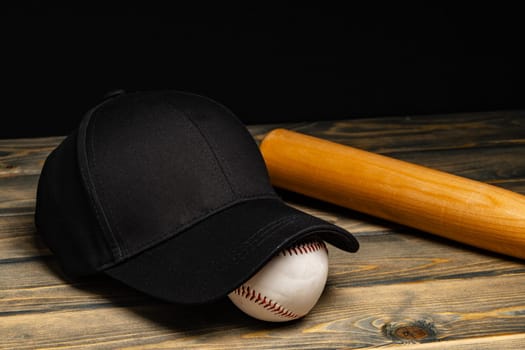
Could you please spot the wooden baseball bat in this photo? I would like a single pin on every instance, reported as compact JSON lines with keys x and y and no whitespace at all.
{"x":447,"y":205}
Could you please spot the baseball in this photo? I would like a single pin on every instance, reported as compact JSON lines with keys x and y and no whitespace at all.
{"x":288,"y":286}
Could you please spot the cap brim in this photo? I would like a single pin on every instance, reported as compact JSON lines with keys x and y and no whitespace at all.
{"x":215,"y":256}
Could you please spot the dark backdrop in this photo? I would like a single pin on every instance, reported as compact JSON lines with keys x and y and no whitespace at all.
{"x":268,"y":64}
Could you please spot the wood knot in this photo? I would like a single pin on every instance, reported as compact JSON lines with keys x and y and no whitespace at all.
{"x":410,"y":331}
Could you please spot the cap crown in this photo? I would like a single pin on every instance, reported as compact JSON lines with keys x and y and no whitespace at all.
{"x":142,"y":168}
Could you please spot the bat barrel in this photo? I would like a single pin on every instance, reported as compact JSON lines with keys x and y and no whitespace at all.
{"x":444,"y":204}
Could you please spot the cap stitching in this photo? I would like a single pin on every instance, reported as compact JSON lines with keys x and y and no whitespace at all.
{"x":226,"y":109}
{"x":242,"y":251}
{"x":119,"y":253}
{"x":117,"y":237}
{"x":239,"y":254}
{"x":90,"y":187}
{"x":223,"y":164}
{"x":198,"y":219}
{"x":230,"y":114}
{"x":180,"y":230}
{"x":262,"y":237}
{"x":212,"y":150}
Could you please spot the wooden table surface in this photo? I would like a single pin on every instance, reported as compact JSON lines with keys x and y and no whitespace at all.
{"x":404,"y":288}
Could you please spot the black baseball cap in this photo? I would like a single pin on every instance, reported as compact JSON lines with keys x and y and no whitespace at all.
{"x":167,"y":192}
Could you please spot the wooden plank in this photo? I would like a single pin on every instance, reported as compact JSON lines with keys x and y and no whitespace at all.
{"x":407,"y":258}
{"x":34,"y":272}
{"x":55,"y":292}
{"x":22,"y":248}
{"x":25,"y":156}
{"x":17,"y":225}
{"x":417,"y":133}
{"x":382,"y":260}
{"x":18,"y":194}
{"x":505,"y":342}
{"x":344,"y":317}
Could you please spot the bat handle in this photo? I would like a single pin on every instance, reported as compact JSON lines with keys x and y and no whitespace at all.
{"x":447,"y":205}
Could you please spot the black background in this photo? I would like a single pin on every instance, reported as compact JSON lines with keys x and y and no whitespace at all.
{"x":268,"y":64}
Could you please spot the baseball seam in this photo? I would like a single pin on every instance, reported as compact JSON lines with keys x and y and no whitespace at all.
{"x":304,"y":248}
{"x":267,"y":303}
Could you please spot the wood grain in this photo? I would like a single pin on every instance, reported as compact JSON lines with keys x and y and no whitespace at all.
{"x":25,"y":156}
{"x":416,"y":133}
{"x":17,"y":194}
{"x":488,"y":343}
{"x":344,"y":317}
{"x":16,"y":225}
{"x":404,"y":288}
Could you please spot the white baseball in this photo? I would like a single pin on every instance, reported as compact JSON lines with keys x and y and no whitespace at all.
{"x":288,"y":286}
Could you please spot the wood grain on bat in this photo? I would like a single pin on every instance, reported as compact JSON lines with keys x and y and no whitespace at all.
{"x":451,"y":206}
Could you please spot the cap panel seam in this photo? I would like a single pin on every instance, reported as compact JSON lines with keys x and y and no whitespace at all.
{"x":180,"y":230}
{"x":233,"y":117}
{"x":223,"y":163}
{"x":51,"y":189}
{"x":102,"y":216}
{"x":89,"y":185}
{"x":239,"y":254}
{"x":226,"y":109}
{"x":199,"y":218}
{"x":117,"y":237}
{"x":218,"y":162}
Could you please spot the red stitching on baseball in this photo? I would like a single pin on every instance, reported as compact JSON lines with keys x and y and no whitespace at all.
{"x":304,"y":248}
{"x":270,"y":305}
